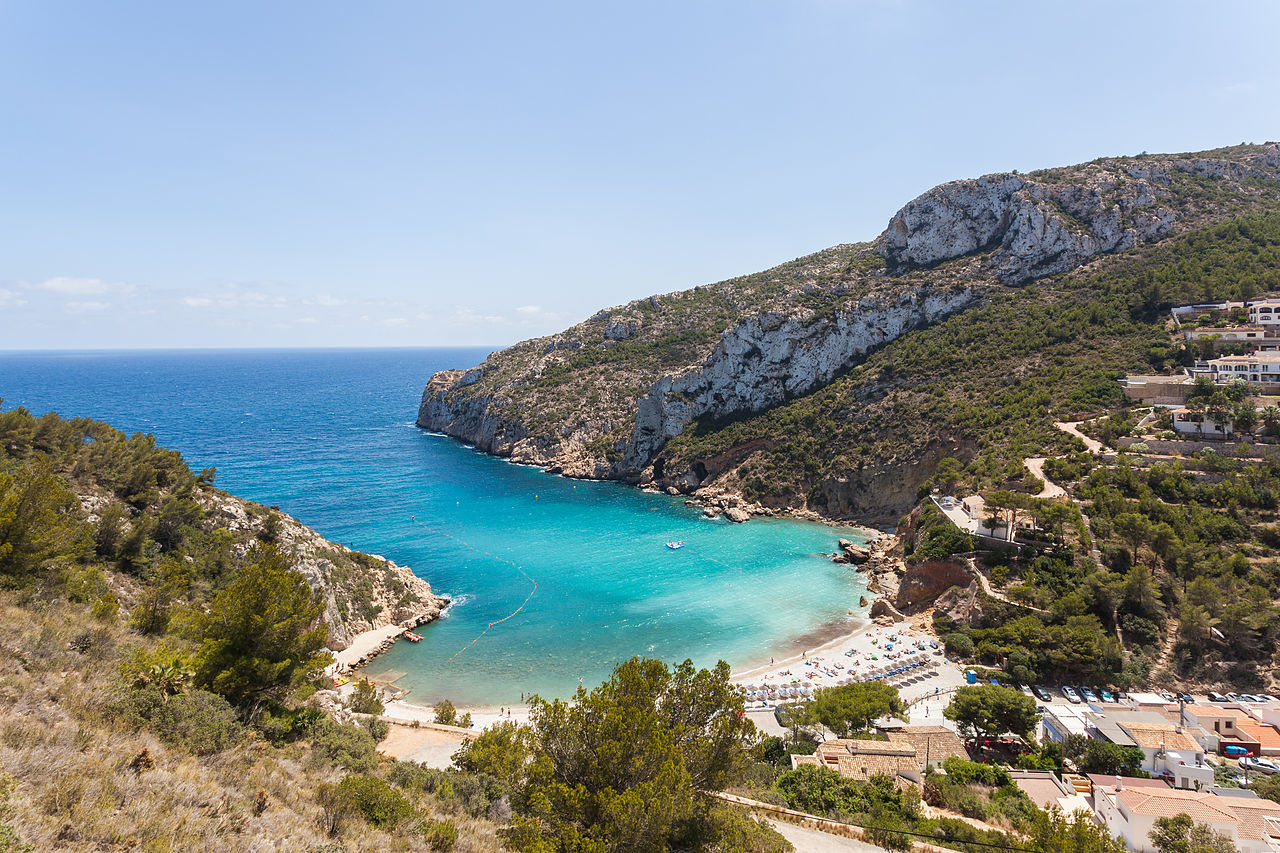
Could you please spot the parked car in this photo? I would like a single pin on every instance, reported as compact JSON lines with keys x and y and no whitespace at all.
{"x":1233,"y":697}
{"x":1025,"y":690}
{"x":1167,"y":696}
{"x":1106,"y":695}
{"x":1216,"y":697}
{"x":1188,"y":698}
{"x":1260,"y":765}
{"x":1089,"y":695}
{"x":1071,"y":695}
{"x":1042,"y":694}
{"x":1121,"y":696}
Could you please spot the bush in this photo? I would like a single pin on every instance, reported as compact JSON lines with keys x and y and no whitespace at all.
{"x":958,"y":644}
{"x":446,"y":714}
{"x":377,"y":729}
{"x":197,"y":720}
{"x":364,"y":700}
{"x":342,"y":745}
{"x":439,"y":834}
{"x":376,"y":801}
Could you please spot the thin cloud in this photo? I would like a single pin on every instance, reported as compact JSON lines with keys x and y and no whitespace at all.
{"x":69,"y":286}
{"x":85,"y":307}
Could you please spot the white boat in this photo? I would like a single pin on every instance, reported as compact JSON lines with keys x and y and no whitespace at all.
{"x":675,"y":546}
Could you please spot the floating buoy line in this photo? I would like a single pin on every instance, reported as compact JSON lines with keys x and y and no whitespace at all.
{"x":510,"y":563}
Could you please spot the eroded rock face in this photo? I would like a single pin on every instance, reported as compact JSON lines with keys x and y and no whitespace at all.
{"x":770,"y":357}
{"x":924,"y":582}
{"x":1033,"y":228}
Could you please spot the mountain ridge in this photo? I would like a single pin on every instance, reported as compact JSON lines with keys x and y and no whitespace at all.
{"x":605,"y":397}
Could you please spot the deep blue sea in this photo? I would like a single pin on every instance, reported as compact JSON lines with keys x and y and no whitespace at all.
{"x":328,"y":436}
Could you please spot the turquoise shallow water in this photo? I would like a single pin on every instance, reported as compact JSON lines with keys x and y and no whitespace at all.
{"x":328,"y":437}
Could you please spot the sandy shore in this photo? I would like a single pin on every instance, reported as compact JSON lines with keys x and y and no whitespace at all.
{"x":364,"y":644}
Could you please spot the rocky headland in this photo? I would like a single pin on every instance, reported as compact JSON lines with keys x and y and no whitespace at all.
{"x":661,"y":392}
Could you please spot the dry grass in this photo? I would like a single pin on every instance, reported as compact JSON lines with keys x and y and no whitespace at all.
{"x":76,"y":783}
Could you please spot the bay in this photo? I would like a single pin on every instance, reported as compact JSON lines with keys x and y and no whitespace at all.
{"x":555,"y":580}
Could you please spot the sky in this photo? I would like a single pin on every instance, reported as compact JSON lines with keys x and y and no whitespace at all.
{"x":275,"y":174}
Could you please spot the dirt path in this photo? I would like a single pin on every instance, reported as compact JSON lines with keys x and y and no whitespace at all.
{"x":1092,"y":444}
{"x":1051,"y":489}
{"x":985,"y":583}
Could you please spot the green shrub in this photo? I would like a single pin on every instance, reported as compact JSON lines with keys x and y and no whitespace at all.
{"x":378,"y":729}
{"x":376,"y":801}
{"x":441,"y":835}
{"x":343,"y":745}
{"x":197,"y":720}
{"x":446,"y":714}
{"x":364,"y":699}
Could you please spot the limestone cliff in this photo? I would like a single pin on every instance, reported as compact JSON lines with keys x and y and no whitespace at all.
{"x":608,"y":397}
{"x":361,"y":591}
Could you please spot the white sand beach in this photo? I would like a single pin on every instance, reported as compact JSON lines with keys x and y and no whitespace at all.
{"x":908,"y":658}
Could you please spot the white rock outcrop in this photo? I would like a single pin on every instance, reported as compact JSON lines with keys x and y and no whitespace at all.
{"x":1032,"y":228}
{"x":768,"y":358}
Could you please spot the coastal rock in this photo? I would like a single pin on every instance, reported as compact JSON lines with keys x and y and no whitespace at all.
{"x":857,"y":554}
{"x":361,"y":592}
{"x":925,"y":581}
{"x":607,"y":397}
{"x":882,"y":609}
{"x":736,"y":515}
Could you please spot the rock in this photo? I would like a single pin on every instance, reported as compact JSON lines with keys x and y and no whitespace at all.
{"x":736,"y":515}
{"x":925,"y":581}
{"x":862,"y":601}
{"x":710,"y":512}
{"x":1035,"y":228}
{"x":882,"y":608}
{"x":854,"y":552}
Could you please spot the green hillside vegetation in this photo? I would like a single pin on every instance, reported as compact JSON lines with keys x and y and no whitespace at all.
{"x":986,"y":384}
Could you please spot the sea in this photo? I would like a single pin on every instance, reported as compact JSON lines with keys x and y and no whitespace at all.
{"x":554,"y":581}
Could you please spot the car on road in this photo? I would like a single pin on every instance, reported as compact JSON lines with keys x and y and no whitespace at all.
{"x":1071,"y":695}
{"x":1042,"y":694}
{"x":1259,"y":765}
{"x":1089,"y":695}
{"x":1216,"y":697}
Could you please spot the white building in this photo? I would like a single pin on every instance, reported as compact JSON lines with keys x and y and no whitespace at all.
{"x":1187,"y":422}
{"x":1131,"y":813}
{"x":1264,"y":312}
{"x":1258,"y":367}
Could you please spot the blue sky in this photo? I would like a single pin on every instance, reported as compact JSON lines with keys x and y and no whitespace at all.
{"x":361,"y":174}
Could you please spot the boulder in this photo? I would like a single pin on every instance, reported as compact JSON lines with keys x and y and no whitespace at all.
{"x":856,"y":553}
{"x":882,"y":609}
{"x":737,"y":515}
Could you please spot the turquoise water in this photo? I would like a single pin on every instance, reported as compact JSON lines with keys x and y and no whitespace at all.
{"x":328,"y":436}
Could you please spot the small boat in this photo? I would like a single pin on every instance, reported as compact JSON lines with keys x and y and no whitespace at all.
{"x":675,"y":546}
{"x":412,"y":637}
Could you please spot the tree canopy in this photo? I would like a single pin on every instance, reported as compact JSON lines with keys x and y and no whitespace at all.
{"x":262,"y":634}
{"x":991,"y":711}
{"x":620,"y":768}
{"x":854,"y":708}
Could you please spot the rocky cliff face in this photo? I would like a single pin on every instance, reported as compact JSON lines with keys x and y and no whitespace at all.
{"x":603,"y":398}
{"x":361,"y":591}
{"x":772,"y":356}
{"x":1032,"y":228}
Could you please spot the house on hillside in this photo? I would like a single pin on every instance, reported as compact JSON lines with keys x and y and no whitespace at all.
{"x":1131,"y":813}
{"x":1187,"y":422}
{"x":1264,"y":312}
{"x":862,"y":759}
{"x":1257,"y":367}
